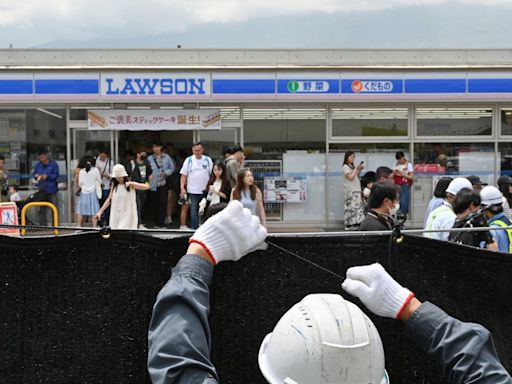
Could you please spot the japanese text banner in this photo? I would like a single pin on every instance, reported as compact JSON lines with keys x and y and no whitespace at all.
{"x":154,"y":120}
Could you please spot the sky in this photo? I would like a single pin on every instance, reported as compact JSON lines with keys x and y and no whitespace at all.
{"x":256,"y":24}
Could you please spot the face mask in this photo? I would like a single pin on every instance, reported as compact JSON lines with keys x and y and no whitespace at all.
{"x":395,"y":209}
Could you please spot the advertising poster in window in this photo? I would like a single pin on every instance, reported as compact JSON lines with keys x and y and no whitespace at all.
{"x":285,"y":189}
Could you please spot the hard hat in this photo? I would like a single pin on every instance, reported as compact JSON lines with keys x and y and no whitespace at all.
{"x":323,"y":339}
{"x":457,"y":184}
{"x":491,"y":196}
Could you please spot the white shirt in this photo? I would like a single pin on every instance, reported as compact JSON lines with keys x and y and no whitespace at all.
{"x":105,"y":167}
{"x":215,"y":197}
{"x":88,"y":180}
{"x":198,"y":173}
{"x":442,"y":217}
{"x":15,"y":197}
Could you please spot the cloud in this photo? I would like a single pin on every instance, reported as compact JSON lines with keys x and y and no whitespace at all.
{"x":31,"y":22}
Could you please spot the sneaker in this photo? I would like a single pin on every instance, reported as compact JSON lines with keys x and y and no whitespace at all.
{"x":142,"y":226}
{"x":185,"y":228}
{"x":168,"y":220}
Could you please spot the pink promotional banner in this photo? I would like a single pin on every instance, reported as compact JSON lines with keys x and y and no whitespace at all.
{"x":154,"y":120}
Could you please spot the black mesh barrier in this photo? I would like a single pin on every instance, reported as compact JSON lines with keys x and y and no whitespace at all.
{"x":75,"y":309}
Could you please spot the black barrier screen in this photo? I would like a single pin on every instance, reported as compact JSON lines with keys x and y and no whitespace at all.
{"x":75,"y":309}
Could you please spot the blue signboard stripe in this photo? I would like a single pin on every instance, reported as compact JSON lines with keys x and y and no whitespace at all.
{"x":490,"y":86}
{"x":435,"y":86}
{"x":67,"y":87}
{"x":309,"y":86}
{"x":242,"y":86}
{"x":15,"y":87}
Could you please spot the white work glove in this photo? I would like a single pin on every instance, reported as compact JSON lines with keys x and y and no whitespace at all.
{"x":377,"y":290}
{"x":231,"y":233}
{"x":202,"y":206}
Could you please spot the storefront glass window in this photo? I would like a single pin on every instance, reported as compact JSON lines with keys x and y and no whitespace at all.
{"x":373,"y":155}
{"x":435,"y":160}
{"x":505,"y":154}
{"x":506,"y":121}
{"x":288,"y":144}
{"x":454,"y":121}
{"x":369,"y":121}
{"x":25,"y":132}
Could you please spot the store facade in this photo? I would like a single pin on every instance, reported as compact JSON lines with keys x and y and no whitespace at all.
{"x":294,"y":112}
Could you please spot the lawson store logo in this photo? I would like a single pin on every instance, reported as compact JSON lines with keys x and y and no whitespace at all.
{"x":155,"y":85}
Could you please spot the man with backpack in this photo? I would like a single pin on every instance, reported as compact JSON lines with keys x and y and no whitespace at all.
{"x":195,"y":173}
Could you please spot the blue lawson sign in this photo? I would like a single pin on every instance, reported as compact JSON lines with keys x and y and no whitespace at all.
{"x":203,"y":85}
{"x":371,"y":86}
{"x":310,"y":86}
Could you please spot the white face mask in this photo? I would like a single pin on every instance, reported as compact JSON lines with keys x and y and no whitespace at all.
{"x":394,"y":210}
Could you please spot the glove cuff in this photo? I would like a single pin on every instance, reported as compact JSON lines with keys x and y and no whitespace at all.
{"x":219,"y":248}
{"x":210,"y":255}
{"x":404,"y":305}
{"x":396,"y":300}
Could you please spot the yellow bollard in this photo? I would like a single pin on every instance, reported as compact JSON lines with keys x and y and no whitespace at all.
{"x":40,"y":204}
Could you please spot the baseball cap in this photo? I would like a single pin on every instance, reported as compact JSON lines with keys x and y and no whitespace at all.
{"x":457,"y":184}
{"x":504,"y":180}
{"x":491,"y":196}
{"x":475,"y":180}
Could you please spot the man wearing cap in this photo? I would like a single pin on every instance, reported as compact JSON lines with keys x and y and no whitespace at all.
{"x":492,"y":200}
{"x":46,"y":174}
{"x":476,"y":182}
{"x":443,"y":217}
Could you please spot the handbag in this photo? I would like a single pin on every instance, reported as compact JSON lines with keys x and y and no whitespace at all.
{"x":99,"y":190}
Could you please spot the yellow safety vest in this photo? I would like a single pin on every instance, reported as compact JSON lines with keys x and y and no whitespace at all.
{"x":501,"y":223}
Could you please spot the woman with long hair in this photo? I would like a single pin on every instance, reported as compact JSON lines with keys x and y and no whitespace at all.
{"x":249,"y":194}
{"x":354,"y":212}
{"x":88,"y":180}
{"x":123,"y":212}
{"x":217,"y":190}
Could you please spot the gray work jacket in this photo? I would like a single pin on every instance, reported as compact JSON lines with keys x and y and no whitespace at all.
{"x":465,"y":350}
{"x":179,"y":335}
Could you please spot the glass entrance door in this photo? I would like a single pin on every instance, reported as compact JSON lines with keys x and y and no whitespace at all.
{"x":216,"y":141}
{"x":86,"y":143}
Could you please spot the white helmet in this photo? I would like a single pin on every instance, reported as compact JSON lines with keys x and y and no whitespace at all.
{"x":491,"y":196}
{"x":323,"y":339}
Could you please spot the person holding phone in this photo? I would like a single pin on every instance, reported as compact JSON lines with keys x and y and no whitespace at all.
{"x":354,"y":212}
{"x":404,"y":177}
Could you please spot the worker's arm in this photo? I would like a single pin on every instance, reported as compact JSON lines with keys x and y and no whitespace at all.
{"x":179,"y":334}
{"x":465,"y":351}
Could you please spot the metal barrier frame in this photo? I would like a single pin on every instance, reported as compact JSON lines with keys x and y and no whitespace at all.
{"x":40,"y":204}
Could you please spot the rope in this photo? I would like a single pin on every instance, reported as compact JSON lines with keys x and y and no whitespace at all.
{"x":283,"y":235}
{"x":338,"y":276}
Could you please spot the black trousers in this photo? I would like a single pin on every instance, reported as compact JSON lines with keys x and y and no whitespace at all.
{"x":159,"y":201}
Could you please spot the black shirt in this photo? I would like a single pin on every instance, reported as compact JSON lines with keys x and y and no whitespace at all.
{"x":374,"y":221}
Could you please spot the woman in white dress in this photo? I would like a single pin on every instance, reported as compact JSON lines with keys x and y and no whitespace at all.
{"x":122,"y":198}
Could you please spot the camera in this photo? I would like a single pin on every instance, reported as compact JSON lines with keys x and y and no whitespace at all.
{"x":183,"y":200}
